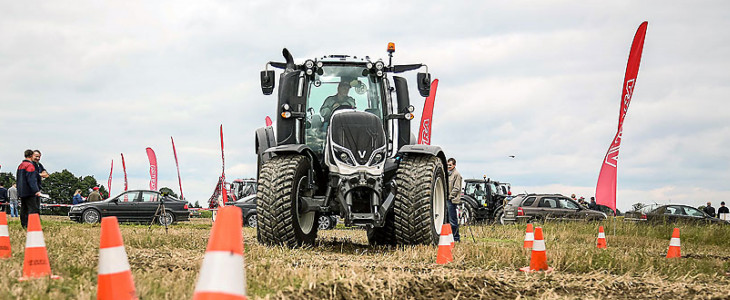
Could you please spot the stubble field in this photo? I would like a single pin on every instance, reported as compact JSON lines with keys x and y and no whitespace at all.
{"x":343,"y":266}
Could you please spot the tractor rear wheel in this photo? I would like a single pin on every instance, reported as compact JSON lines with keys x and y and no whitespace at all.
{"x":419,"y":209}
{"x":281,"y":220}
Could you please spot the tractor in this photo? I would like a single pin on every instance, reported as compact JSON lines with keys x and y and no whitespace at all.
{"x":483,"y":200}
{"x":342,"y":145}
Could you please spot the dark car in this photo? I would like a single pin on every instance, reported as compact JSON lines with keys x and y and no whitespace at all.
{"x":671,"y":213}
{"x":545,"y":207}
{"x":132,"y":206}
{"x":248,"y":207}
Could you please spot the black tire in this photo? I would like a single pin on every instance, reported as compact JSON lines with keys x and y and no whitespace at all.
{"x":91,"y":216}
{"x":334,"y":221}
{"x":251,"y":221}
{"x":499,"y":217}
{"x":383,"y":235}
{"x":166,"y":218}
{"x":281,"y":181}
{"x":419,"y":208}
{"x":467,"y":214}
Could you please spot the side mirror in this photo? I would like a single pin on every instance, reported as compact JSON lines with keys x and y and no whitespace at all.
{"x":267,"y":82}
{"x":115,"y":200}
{"x":424,"y":84}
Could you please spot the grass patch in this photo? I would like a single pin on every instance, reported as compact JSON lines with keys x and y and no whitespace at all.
{"x":343,"y":266}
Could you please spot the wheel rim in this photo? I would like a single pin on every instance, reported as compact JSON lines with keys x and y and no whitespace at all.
{"x":305,"y":219}
{"x":252,"y":221}
{"x":166,"y":219}
{"x":91,"y":216}
{"x":463,"y":214}
{"x":324,"y":222}
{"x":437,"y":204}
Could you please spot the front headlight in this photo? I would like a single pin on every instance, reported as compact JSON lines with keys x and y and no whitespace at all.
{"x":377,"y":157}
{"x":343,"y":155}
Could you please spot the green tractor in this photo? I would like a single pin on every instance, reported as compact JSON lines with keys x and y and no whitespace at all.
{"x":342,"y":145}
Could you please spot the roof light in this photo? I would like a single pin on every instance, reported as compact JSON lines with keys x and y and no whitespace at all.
{"x":379,"y":65}
{"x":319,"y":64}
{"x":391,"y":47}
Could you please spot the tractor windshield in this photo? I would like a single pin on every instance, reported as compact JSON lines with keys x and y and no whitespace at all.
{"x":339,"y":87}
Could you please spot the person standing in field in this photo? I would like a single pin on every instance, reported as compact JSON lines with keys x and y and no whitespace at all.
{"x":710,"y":210}
{"x":723,"y":209}
{"x":13,"y":196}
{"x":3,"y":198}
{"x":94,"y":196}
{"x":77,"y":199}
{"x":454,"y":197}
{"x":29,"y":188}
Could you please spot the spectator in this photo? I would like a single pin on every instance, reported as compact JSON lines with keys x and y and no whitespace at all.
{"x":710,"y":210}
{"x":13,"y":196}
{"x":593,"y":204}
{"x":94,"y":196}
{"x":454,"y":197}
{"x":29,"y":189}
{"x":77,"y":199}
{"x":3,"y":198}
{"x":723,"y":209}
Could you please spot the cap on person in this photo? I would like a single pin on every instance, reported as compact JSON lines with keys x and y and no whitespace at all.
{"x":722,"y":203}
{"x":96,"y":188}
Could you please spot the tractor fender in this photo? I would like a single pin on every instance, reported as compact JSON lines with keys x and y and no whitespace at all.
{"x":425,"y":149}
{"x":265,"y":139}
{"x":468,"y":199}
{"x":307,"y":152}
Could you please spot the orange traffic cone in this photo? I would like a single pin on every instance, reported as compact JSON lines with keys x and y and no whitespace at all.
{"x":674,"y":245}
{"x":4,"y":237}
{"x":538,"y":261}
{"x":601,"y":242}
{"x":115,"y":277}
{"x":529,"y":237}
{"x":449,"y":233}
{"x":36,"y":264}
{"x":222,"y":275}
{"x":443,"y":255}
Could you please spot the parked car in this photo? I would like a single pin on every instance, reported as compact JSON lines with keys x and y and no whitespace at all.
{"x":132,"y":206}
{"x":247,"y":205}
{"x":671,"y":213}
{"x":327,"y":222}
{"x":545,"y":207}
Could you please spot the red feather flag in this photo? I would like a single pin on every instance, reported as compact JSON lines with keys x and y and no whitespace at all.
{"x":223,"y":173}
{"x":268,"y":121}
{"x":424,"y":132}
{"x":153,"y":168}
{"x":179,"y":180}
{"x":109,"y":183}
{"x":124,"y":168}
{"x":606,"y":186}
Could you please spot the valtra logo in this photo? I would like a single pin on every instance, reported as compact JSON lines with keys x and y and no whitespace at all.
{"x":425,"y":135}
{"x":153,"y":178}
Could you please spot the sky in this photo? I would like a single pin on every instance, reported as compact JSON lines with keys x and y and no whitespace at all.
{"x":85,"y":81}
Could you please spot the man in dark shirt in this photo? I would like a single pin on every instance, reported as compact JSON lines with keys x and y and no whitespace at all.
{"x":710,"y":210}
{"x":29,"y":188}
{"x":3,"y":198}
{"x":722,"y":210}
{"x":333,"y":102}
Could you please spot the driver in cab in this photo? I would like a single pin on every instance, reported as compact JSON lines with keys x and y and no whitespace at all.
{"x":332,"y":103}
